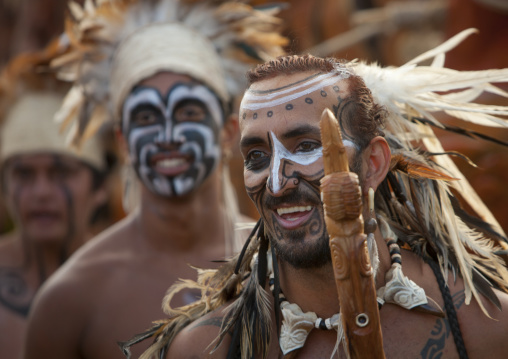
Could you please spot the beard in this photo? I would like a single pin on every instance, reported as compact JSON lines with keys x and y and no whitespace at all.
{"x":304,"y":247}
{"x":301,"y":255}
{"x":292,"y":247}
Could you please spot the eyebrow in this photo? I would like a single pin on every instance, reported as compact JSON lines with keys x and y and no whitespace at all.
{"x":302,"y":130}
{"x":298,"y":131}
{"x":251,"y":141}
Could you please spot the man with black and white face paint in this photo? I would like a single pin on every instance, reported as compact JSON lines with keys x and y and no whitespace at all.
{"x":171,"y":99}
{"x":173,"y":137}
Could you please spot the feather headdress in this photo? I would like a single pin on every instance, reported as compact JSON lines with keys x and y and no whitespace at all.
{"x":412,"y":95}
{"x":30,"y":94}
{"x":238,"y":33}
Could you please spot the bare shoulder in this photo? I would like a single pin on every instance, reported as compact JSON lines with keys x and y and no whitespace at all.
{"x":485,"y":335}
{"x":10,"y":249}
{"x":67,"y":300}
{"x":483,"y":325}
{"x":199,"y":339}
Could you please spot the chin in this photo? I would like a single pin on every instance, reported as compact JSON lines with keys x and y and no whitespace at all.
{"x":48,"y":237}
{"x":304,"y":253}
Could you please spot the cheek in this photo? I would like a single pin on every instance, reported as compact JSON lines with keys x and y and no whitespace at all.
{"x":79,"y":198}
{"x":16,"y":198}
{"x":254,"y":181}
{"x":140,"y":137}
{"x":310,"y":172}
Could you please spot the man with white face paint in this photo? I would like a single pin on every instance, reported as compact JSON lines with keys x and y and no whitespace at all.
{"x":428,"y":306}
{"x":188,"y":120}
{"x":171,"y":97}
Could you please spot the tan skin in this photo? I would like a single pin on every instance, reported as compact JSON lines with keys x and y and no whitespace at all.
{"x":406,"y":334}
{"x":113,"y":288}
{"x":51,"y":200}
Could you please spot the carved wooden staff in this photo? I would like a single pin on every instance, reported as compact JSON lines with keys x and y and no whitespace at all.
{"x":341,"y":195}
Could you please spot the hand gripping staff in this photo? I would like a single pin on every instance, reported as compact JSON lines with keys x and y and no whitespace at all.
{"x":342,"y":201}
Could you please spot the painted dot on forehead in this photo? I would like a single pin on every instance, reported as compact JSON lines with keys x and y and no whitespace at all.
{"x":309,"y":101}
{"x":255,"y":115}
{"x":336,"y":88}
{"x":323,"y":93}
{"x":289,"y":107}
{"x":269,"y":113}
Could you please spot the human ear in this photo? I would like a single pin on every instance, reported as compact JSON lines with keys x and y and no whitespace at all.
{"x":378,"y":163}
{"x":229,"y":134}
{"x":101,"y":194}
{"x":122,"y":143}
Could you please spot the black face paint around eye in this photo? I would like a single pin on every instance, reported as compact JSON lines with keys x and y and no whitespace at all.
{"x":178,"y":148}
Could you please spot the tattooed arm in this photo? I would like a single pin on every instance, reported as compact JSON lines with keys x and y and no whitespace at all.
{"x":483,"y":337}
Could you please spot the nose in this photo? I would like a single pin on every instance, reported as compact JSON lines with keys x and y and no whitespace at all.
{"x":42,"y":186}
{"x":282,"y":178}
{"x":168,"y":139}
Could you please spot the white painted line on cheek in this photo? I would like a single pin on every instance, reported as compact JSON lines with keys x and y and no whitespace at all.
{"x":146,"y":96}
{"x":281,"y":153}
{"x":137,"y":133}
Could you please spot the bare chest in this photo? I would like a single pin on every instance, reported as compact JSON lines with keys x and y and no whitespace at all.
{"x":127,"y":306}
{"x":405,"y":335}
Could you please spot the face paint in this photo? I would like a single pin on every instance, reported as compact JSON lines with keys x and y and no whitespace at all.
{"x":280,"y":153}
{"x":255,"y":100}
{"x":281,"y":144}
{"x":173,"y":141}
{"x":51,"y":200}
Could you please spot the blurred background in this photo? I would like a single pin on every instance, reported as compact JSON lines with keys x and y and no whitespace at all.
{"x":389,"y":32}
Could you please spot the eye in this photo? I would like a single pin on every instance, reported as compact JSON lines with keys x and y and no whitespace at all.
{"x":192,"y":111}
{"x":145,"y":116}
{"x":62,"y":171}
{"x":256,"y":160}
{"x":255,"y":155}
{"x":307,"y":146}
{"x":22,"y":173}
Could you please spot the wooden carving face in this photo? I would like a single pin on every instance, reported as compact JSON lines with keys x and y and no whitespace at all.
{"x":281,"y":145}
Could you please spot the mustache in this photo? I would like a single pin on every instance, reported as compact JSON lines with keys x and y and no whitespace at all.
{"x":295,"y":197}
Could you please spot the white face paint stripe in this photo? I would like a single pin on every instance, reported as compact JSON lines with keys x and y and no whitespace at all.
{"x":281,"y":153}
{"x":211,"y":149}
{"x":149,"y":95}
{"x":271,"y":95}
{"x":253,"y":101}
{"x":201,"y":93}
{"x":306,"y":158}
{"x":144,"y":169}
{"x":136,"y":133}
{"x":260,"y":103}
{"x":184,"y":184}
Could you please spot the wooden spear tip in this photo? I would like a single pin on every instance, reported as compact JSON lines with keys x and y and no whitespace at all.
{"x":330,"y":129}
{"x":334,"y":152}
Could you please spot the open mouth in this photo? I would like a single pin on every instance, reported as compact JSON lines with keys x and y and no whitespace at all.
{"x":294,"y":216}
{"x":170,"y":164}
{"x":43,"y":217}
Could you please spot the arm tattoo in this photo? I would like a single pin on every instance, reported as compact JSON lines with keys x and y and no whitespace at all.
{"x":14,"y":293}
{"x":434,"y":347}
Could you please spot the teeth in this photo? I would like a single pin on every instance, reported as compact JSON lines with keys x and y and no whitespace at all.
{"x":281,"y":211}
{"x":170,"y":162}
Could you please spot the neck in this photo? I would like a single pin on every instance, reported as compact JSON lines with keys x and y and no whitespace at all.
{"x":46,"y":257}
{"x":315,"y":289}
{"x":183,"y":223}
{"x":312,"y":289}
